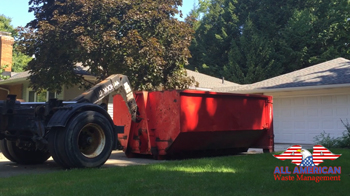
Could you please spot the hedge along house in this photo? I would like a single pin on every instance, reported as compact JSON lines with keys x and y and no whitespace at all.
{"x":307,"y":102}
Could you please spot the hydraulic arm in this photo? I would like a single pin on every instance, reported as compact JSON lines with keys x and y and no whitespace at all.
{"x":113,"y":84}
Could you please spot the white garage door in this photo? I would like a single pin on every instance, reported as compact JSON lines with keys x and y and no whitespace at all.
{"x":299,"y":119}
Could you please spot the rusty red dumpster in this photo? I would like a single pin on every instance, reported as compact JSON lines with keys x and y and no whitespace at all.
{"x":184,"y":121}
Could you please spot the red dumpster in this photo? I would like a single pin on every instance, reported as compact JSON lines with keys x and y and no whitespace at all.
{"x":182,"y":121}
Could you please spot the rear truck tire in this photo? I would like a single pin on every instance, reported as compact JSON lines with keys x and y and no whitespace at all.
{"x":26,"y":157}
{"x":5,"y":151}
{"x":87,"y":140}
{"x":55,"y":144}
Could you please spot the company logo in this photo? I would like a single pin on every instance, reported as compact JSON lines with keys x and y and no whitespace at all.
{"x":304,"y":158}
{"x":307,"y":163}
{"x":106,"y":90}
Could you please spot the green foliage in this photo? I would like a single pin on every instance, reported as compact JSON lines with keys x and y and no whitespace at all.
{"x":248,"y":41}
{"x":2,"y":69}
{"x":335,"y":142}
{"x":5,"y":25}
{"x":197,"y":12}
{"x":140,"y":39}
{"x":19,"y":60}
{"x":326,"y":140}
{"x":213,"y":38}
{"x":41,"y":96}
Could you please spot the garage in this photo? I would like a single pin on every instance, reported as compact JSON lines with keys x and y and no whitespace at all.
{"x":308,"y":101}
{"x":299,"y":119}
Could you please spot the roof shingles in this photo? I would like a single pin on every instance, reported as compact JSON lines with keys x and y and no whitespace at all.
{"x":210,"y":82}
{"x":336,"y":71}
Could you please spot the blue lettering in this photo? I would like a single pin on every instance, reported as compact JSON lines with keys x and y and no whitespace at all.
{"x":315,"y":170}
{"x":303,"y":170}
{"x":287,"y":170}
{"x":309,"y":170}
{"x":296,"y":170}
{"x":324,"y":170}
{"x":330,"y":170}
{"x":282,"y":172}
{"x":277,"y":170}
{"x":337,"y":170}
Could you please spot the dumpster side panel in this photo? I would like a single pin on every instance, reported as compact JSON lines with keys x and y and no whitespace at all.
{"x":266,"y":141}
{"x":179,"y":121}
{"x":218,"y":121}
{"x":135,"y":138}
{"x":204,"y":111}
{"x":164,"y":119}
{"x":121,"y":117}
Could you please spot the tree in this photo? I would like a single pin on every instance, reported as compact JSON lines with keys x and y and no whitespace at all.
{"x":197,"y":12}
{"x":5,"y":25}
{"x":140,"y":39}
{"x":252,"y":40}
{"x":19,"y":59}
{"x":250,"y":57}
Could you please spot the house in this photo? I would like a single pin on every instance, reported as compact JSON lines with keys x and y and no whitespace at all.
{"x":19,"y":85}
{"x":306,"y":102}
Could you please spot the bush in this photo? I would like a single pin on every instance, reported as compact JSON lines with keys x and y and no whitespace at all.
{"x":327,"y":141}
{"x":345,"y":139}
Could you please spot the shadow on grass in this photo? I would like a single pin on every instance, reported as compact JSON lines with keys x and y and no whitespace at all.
{"x":230,"y":175}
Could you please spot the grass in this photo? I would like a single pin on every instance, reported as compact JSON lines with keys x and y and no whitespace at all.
{"x":232,"y":175}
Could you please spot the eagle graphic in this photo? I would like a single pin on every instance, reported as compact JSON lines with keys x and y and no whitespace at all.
{"x":304,"y":158}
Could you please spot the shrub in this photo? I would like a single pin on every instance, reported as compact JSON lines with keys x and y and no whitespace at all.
{"x":327,"y":141}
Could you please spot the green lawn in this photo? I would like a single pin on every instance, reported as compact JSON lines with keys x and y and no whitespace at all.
{"x":232,"y":175}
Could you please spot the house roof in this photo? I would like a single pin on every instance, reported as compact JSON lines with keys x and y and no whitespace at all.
{"x":22,"y":76}
{"x":205,"y":82}
{"x":210,"y":82}
{"x":15,"y":78}
{"x":16,"y":75}
{"x":329,"y":73}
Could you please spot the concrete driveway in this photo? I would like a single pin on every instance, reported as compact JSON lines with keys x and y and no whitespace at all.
{"x":117,"y":158}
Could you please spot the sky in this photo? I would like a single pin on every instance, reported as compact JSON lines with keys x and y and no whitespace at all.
{"x":17,"y":10}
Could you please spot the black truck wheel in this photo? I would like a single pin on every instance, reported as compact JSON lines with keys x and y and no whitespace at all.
{"x":88,"y":140}
{"x":26,"y":157}
{"x":56,"y":143}
{"x":5,"y":150}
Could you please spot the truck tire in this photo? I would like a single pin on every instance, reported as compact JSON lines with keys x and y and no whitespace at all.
{"x":55,"y":145}
{"x":26,"y":157}
{"x":88,"y":140}
{"x":5,"y":150}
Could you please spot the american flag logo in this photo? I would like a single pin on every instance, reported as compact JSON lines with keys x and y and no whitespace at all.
{"x":307,"y":162}
{"x":304,"y":158}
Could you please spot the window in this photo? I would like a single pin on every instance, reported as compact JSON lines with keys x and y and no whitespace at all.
{"x":41,"y":97}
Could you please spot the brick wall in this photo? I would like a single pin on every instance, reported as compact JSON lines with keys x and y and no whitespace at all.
{"x":6,"y":45}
